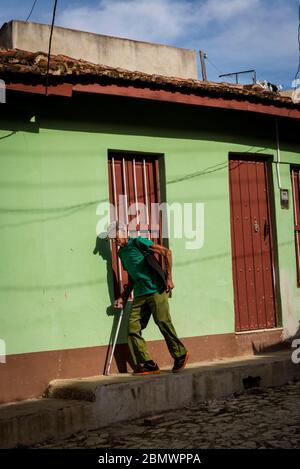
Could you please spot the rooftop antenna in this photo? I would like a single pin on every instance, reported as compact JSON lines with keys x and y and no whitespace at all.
{"x":203,"y":65}
{"x":236,"y":74}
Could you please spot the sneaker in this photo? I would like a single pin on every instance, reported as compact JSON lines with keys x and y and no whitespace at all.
{"x":180,"y":363}
{"x":147,"y":368}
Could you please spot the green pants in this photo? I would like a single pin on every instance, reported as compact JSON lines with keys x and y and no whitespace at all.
{"x":142,"y":307}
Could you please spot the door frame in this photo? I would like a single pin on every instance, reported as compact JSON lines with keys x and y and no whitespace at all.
{"x":268,"y":160}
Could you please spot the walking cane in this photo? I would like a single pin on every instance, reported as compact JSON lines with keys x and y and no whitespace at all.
{"x":114,"y":342}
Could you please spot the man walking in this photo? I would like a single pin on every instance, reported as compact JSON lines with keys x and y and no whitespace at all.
{"x":151,"y":293}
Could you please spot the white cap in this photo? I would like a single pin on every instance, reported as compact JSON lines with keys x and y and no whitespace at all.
{"x":114,"y":227}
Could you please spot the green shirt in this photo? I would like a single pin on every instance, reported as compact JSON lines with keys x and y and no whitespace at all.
{"x":145,"y":280}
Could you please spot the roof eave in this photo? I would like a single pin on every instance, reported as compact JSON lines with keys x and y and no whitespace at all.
{"x":221,"y":102}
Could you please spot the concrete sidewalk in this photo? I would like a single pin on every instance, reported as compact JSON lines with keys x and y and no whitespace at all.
{"x":75,"y":405}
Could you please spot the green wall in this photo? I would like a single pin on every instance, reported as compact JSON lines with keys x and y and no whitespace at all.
{"x":53,"y":291}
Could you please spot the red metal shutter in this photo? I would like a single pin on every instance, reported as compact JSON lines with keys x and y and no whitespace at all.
{"x":136,"y":178}
{"x":295,"y":174}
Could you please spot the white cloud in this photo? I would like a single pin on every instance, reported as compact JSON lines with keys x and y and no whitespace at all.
{"x":156,"y":20}
{"x":264,"y":40}
{"x":224,"y":10}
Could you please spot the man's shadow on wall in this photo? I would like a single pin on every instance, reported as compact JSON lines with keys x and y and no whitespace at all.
{"x":122,"y":354}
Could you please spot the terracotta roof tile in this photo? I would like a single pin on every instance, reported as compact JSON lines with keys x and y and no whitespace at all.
{"x":15,"y":61}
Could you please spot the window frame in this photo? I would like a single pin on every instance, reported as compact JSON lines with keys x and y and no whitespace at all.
{"x":121,"y":178}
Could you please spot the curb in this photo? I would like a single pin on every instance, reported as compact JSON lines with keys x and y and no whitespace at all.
{"x":75,"y":405}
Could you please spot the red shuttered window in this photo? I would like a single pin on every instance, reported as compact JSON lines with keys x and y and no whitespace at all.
{"x":133,"y":191}
{"x":295,"y":174}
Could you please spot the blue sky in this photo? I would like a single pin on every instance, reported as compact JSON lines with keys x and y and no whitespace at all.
{"x":236,"y":34}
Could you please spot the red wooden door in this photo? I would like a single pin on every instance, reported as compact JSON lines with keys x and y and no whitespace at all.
{"x":252,"y":260}
{"x":295,"y":173}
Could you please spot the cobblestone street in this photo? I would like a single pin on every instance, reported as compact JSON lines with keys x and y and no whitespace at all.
{"x":259,"y":418}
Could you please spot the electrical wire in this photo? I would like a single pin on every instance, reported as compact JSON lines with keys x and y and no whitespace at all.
{"x":30,"y":13}
{"x":216,"y":68}
{"x":297,"y":73}
{"x":49,"y":50}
